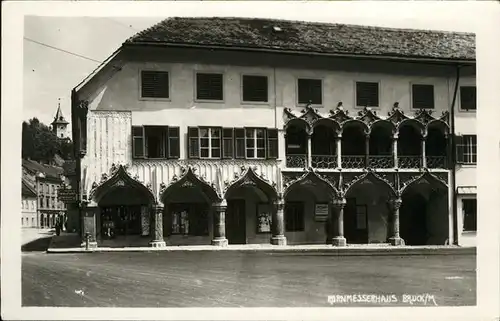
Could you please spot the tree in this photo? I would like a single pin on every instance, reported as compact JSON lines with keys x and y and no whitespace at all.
{"x":40,"y":143}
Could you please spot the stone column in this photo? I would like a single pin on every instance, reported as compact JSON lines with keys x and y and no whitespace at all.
{"x":367,"y":150}
{"x":157,"y":214}
{"x":309,"y":151}
{"x":424,"y":158}
{"x":89,"y":226}
{"x":337,"y":221}
{"x":278,"y":223}
{"x":338,"y":139}
{"x":394,"y":205}
{"x":219,"y":218}
{"x":395,"y":149}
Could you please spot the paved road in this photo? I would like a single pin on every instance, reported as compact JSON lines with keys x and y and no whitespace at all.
{"x":234,"y":279}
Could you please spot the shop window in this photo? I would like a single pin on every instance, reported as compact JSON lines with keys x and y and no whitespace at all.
{"x":264,"y":218}
{"x":469,"y":209}
{"x":189,"y":219}
{"x":423,"y":96}
{"x":294,"y":216}
{"x":255,"y":88}
{"x":367,"y":94}
{"x":154,"y":84}
{"x":466,"y":149}
{"x":155,"y":142}
{"x":310,"y":91}
{"x":209,"y":86}
{"x":468,"y":98}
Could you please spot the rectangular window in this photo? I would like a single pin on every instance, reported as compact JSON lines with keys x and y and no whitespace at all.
{"x":367,"y":94}
{"x":255,"y":143}
{"x":227,"y":143}
{"x":423,"y":96}
{"x":310,"y":91}
{"x":154,"y":84}
{"x":466,"y":149}
{"x":255,"y":88}
{"x":155,"y":142}
{"x":209,"y":86}
{"x":189,"y":219}
{"x":469,"y":209}
{"x":468,"y":98}
{"x":272,"y":143}
{"x":210,"y":142}
{"x":294,"y":216}
{"x":239,"y":142}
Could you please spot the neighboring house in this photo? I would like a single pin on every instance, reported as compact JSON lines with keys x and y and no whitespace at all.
{"x":236,"y":130}
{"x":46,"y":180}
{"x":28,"y":204}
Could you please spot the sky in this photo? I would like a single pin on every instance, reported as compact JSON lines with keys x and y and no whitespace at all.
{"x":50,"y":74}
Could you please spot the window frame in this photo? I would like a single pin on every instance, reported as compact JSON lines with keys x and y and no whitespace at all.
{"x":412,"y":95}
{"x":255,"y":148}
{"x":461,"y":109}
{"x":166,"y":144}
{"x":299,"y":104}
{"x":209,"y":128}
{"x":463,"y":145}
{"x":464,"y":215}
{"x":245,"y":102}
{"x":303,"y":224}
{"x":167,"y":70}
{"x":195,"y":86}
{"x":379,"y":93}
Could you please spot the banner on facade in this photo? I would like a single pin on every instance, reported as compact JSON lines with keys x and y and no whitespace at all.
{"x":321,"y":212}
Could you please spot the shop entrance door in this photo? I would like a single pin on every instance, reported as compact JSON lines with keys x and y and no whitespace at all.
{"x":236,"y":222}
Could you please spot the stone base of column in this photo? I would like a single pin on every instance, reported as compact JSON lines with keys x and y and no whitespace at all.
{"x":157,"y":244}
{"x":396,"y":241}
{"x":278,"y":240}
{"x":220,"y":242}
{"x":339,"y":241}
{"x":92,"y":245}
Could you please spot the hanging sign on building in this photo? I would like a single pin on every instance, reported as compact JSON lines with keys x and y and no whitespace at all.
{"x":67,"y":195}
{"x":321,"y":212}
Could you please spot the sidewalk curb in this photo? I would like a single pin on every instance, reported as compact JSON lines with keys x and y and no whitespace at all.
{"x":392,"y":251}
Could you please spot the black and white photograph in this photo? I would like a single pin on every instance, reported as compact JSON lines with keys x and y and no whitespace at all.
{"x":211,"y":154}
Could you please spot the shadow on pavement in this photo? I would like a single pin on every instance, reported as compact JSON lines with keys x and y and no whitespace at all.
{"x":41,"y":244}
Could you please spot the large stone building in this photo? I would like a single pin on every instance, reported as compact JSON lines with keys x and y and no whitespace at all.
{"x":29,"y":216}
{"x":228,"y":130}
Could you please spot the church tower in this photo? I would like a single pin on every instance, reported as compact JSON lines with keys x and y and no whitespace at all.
{"x":60,"y":125}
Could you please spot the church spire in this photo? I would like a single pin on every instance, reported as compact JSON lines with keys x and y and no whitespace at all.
{"x":59,"y":118}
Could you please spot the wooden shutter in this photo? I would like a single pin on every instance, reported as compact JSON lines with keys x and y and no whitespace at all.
{"x":272,"y":143}
{"x":227,"y":143}
{"x":154,"y":84}
{"x":423,"y":96}
{"x":193,"y":143}
{"x":138,"y":142}
{"x":468,"y":98}
{"x":239,"y":142}
{"x":309,"y":90}
{"x":209,"y":86}
{"x":367,"y":94}
{"x":459,"y":148}
{"x":173,"y":142}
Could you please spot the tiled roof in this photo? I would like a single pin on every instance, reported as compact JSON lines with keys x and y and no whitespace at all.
{"x":309,"y":37}
{"x":27,"y":188}
{"x":35,"y":167}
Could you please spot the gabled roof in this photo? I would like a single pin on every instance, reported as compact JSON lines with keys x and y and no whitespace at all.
{"x":309,"y":38}
{"x":27,"y":188}
{"x":35,"y":167}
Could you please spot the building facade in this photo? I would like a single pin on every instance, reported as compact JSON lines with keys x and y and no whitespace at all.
{"x":28,"y":205}
{"x":46,"y":180}
{"x":285,"y":140}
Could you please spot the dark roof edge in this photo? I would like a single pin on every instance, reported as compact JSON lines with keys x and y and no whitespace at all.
{"x":305,"y":53}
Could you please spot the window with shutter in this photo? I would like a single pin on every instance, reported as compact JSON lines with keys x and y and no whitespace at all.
{"x":310,"y":91}
{"x":239,"y":142}
{"x":227,"y":143}
{"x":255,"y":143}
{"x":209,"y":86}
{"x":156,"y":138}
{"x":154,"y":84}
{"x":255,"y":88}
{"x":468,"y":98}
{"x":272,"y":143}
{"x":367,"y":94}
{"x":423,"y":96}
{"x":173,"y":142}
{"x":469,"y":209}
{"x":459,"y":149}
{"x":138,"y":141}
{"x":193,"y":143}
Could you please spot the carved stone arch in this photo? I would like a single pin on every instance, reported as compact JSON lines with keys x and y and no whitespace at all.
{"x":189,"y":179}
{"x":427,"y":178}
{"x":249,"y":177}
{"x":298,"y":122}
{"x":310,"y":115}
{"x":339,"y":114}
{"x":119,"y":177}
{"x":421,"y":128}
{"x":439,"y":124}
{"x":311,"y":179}
{"x":424,"y":116}
{"x":368,"y":116}
{"x":327,"y":122}
{"x":356,"y":122}
{"x":384,"y":123}
{"x":372,"y":177}
{"x":396,"y":115}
